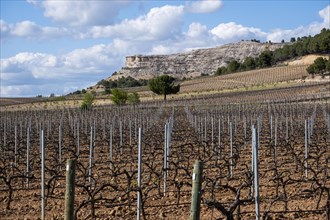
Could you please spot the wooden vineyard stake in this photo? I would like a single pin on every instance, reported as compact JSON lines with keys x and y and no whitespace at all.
{"x":70,"y":189}
{"x":139,"y":193}
{"x":197,"y":178}
{"x":255,"y":170}
{"x":43,"y":199}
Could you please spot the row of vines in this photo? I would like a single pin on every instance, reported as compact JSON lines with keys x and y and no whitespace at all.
{"x":293,"y":141}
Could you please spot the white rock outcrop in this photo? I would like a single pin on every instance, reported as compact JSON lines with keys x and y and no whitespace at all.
{"x":192,"y":63}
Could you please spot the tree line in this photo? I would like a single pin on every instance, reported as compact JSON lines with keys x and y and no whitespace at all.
{"x":319,"y":44}
{"x":320,"y":66}
{"x":122,"y":82}
{"x":161,"y":85}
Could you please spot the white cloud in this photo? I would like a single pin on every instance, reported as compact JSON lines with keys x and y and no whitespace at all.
{"x":94,"y":59}
{"x":325,"y":14}
{"x":25,"y":28}
{"x":158,"y":23}
{"x":29,"y":29}
{"x":37,"y":65}
{"x":81,"y":13}
{"x":197,"y":36}
{"x":157,"y":32}
{"x":277,"y":35}
{"x":232,"y":32}
{"x":197,"y":30}
{"x":68,"y":71}
{"x":4,"y":26}
{"x":203,"y":6}
{"x":16,"y":91}
{"x":163,"y":49}
{"x":4,"y":30}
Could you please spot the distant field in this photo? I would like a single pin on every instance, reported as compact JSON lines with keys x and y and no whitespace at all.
{"x":245,"y":79}
{"x":259,"y":82}
{"x":19,"y":101}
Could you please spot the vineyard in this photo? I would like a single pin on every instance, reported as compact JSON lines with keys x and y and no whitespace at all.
{"x":293,"y":139}
{"x":15,"y":101}
{"x":245,"y":79}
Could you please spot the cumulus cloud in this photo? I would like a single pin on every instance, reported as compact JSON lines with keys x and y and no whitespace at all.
{"x":78,"y":68}
{"x":197,"y":30}
{"x":159,"y":23}
{"x":4,"y":30}
{"x":81,"y":13}
{"x":159,"y":31}
{"x":35,"y":65}
{"x":325,"y":14}
{"x":95,"y":59}
{"x":203,"y":6}
{"x":25,"y":28}
{"x":17,"y":91}
{"x":29,"y":29}
{"x":277,"y":35}
{"x":231,"y":31}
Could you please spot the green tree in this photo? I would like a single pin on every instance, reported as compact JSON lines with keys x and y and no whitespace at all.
{"x":133,"y":98}
{"x":221,"y":71}
{"x":119,"y":97}
{"x":249,"y":63}
{"x":233,"y":66}
{"x":327,"y":65}
{"x":319,"y":65}
{"x":163,"y":85}
{"x":87,"y":101}
{"x":265,"y":59}
{"x":107,"y":91}
{"x":310,"y":69}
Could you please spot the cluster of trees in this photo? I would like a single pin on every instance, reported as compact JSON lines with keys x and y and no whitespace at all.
{"x":264,"y":60}
{"x":122,"y":82}
{"x":78,"y":92}
{"x":119,"y":97}
{"x":161,"y":85}
{"x":320,"y":44}
{"x":320,"y":66}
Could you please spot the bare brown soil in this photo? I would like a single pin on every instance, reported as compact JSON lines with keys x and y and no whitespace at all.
{"x":285,"y":191}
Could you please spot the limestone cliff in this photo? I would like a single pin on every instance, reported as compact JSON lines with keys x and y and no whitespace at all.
{"x":192,"y":63}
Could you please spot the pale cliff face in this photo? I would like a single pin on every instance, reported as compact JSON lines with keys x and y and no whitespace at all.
{"x":193,"y":63}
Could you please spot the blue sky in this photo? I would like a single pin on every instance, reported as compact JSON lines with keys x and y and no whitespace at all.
{"x":62,"y":46}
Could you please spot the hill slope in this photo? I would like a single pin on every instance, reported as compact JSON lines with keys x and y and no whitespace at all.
{"x":192,"y":63}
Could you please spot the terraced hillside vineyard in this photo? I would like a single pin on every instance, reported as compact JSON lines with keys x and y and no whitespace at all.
{"x":246,"y":79}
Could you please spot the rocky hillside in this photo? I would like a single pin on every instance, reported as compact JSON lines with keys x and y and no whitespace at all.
{"x":192,"y":63}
